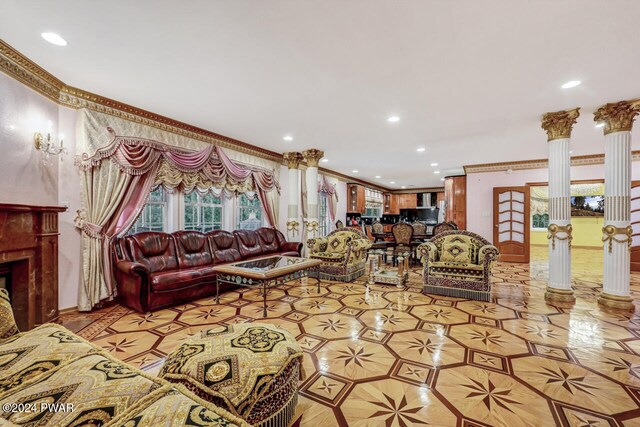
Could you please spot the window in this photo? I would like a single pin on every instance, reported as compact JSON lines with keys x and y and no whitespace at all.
{"x":540,"y":221}
{"x":202,"y":213}
{"x":153,"y":214}
{"x":323,"y":214}
{"x":249,"y":213}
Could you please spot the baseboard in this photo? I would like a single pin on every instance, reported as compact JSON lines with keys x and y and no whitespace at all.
{"x":68,"y":310}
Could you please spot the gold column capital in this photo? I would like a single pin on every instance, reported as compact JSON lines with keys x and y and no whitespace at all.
{"x":558,"y":124}
{"x":293,"y":159}
{"x":313,"y":156}
{"x":618,"y":116}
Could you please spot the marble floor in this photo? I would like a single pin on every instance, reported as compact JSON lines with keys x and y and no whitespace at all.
{"x":382,"y":356}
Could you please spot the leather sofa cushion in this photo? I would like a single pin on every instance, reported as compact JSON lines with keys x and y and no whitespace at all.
{"x":156,"y":251}
{"x":171,"y":280}
{"x":192,"y":248}
{"x":268,"y":240}
{"x":224,"y":247}
{"x":248,"y":243}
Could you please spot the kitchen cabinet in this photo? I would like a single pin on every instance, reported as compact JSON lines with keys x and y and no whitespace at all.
{"x":407,"y":201}
{"x":355,"y":202}
{"x":390,"y":206}
{"x":455,"y":195}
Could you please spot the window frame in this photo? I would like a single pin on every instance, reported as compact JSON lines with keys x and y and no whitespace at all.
{"x":199,"y":208}
{"x":139,"y":225}
{"x":240,"y":207}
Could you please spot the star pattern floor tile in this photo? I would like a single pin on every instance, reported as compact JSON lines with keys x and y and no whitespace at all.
{"x":382,"y":356}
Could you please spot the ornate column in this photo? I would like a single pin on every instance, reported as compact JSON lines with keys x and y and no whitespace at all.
{"x":558,"y":126}
{"x":618,"y":119}
{"x":312,"y":156}
{"x":293,"y":160}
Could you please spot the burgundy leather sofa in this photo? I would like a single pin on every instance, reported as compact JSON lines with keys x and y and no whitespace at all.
{"x":155,"y":270}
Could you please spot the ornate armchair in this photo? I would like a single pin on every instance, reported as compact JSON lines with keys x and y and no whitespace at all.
{"x":458,"y":264}
{"x":419,"y":228}
{"x":343,"y":254}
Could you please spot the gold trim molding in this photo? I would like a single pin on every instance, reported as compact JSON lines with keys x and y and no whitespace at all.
{"x":559,"y":123}
{"x":618,"y":116}
{"x":589,"y":159}
{"x":609,"y":233}
{"x":293,"y":159}
{"x":313,"y":156}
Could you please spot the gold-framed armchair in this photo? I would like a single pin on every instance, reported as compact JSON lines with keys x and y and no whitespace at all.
{"x":458,"y":263}
{"x":343,"y":254}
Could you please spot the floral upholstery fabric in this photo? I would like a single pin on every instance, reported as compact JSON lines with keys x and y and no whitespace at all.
{"x":343,"y":254}
{"x":456,"y":252}
{"x":7,"y":321}
{"x":252,"y":370}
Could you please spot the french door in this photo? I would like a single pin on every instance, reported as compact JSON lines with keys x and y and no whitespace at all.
{"x":511,"y":223}
{"x":635,"y":224}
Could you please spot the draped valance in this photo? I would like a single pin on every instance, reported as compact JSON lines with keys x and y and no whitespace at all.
{"x":177,"y":168}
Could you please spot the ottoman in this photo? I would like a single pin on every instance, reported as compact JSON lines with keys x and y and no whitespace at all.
{"x":250,"y":369}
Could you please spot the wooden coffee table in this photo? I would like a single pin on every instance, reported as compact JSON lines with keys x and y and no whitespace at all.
{"x":265,"y":273}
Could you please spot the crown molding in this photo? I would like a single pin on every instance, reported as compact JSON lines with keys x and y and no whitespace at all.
{"x":419,"y":190}
{"x":585,"y":160}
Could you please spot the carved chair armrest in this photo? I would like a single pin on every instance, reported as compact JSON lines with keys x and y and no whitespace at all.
{"x":357,"y":249}
{"x":427,"y":252}
{"x":487,"y":254}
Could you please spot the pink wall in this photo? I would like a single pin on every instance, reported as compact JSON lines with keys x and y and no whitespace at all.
{"x":480,"y":191}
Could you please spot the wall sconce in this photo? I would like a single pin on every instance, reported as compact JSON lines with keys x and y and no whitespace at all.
{"x":48,"y":147}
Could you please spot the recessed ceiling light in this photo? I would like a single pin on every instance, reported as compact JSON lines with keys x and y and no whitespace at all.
{"x":324,"y":160}
{"x":436,"y":171}
{"x":393,"y":119}
{"x":404,"y":186}
{"x":570,"y":84}
{"x":441,"y":179}
{"x":378,"y":176}
{"x":54,"y":38}
{"x":355,"y":171}
{"x":392,"y":182}
{"x":434,"y":164}
{"x":288,"y":138}
{"x":570,"y":151}
{"x":600,"y":125}
{"x":421,"y":149}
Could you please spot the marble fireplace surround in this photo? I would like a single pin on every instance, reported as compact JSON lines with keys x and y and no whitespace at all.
{"x":29,"y":252}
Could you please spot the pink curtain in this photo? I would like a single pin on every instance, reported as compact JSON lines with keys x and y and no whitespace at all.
{"x":140,"y":158}
{"x":330,"y":189}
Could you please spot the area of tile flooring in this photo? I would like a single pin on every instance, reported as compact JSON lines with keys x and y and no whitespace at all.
{"x":383,"y":356}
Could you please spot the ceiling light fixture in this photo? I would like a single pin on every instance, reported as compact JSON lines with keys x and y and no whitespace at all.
{"x":393,"y":119}
{"x":392,"y":182}
{"x":421,"y":150}
{"x":436,"y":171}
{"x":288,"y":138}
{"x":600,"y":125}
{"x":441,"y":179}
{"x":355,"y":171}
{"x":404,"y":186}
{"x":54,"y":38}
{"x":378,"y":176}
{"x":570,"y":84}
{"x":434,"y":164}
{"x":324,"y":160}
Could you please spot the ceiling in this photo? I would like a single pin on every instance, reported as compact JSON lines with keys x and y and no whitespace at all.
{"x":468,"y":79}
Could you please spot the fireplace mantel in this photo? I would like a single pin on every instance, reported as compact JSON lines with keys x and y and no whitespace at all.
{"x":29,"y":248}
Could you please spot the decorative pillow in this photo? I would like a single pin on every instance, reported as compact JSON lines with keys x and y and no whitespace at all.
{"x":463,"y":239}
{"x":338,"y":244}
{"x":7,"y":321}
{"x":456,"y":252}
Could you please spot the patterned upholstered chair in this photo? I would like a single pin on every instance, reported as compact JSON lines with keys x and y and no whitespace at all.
{"x":444,"y":226}
{"x":402,"y":238}
{"x":419,"y":227}
{"x":458,"y":264}
{"x":343,"y":254}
